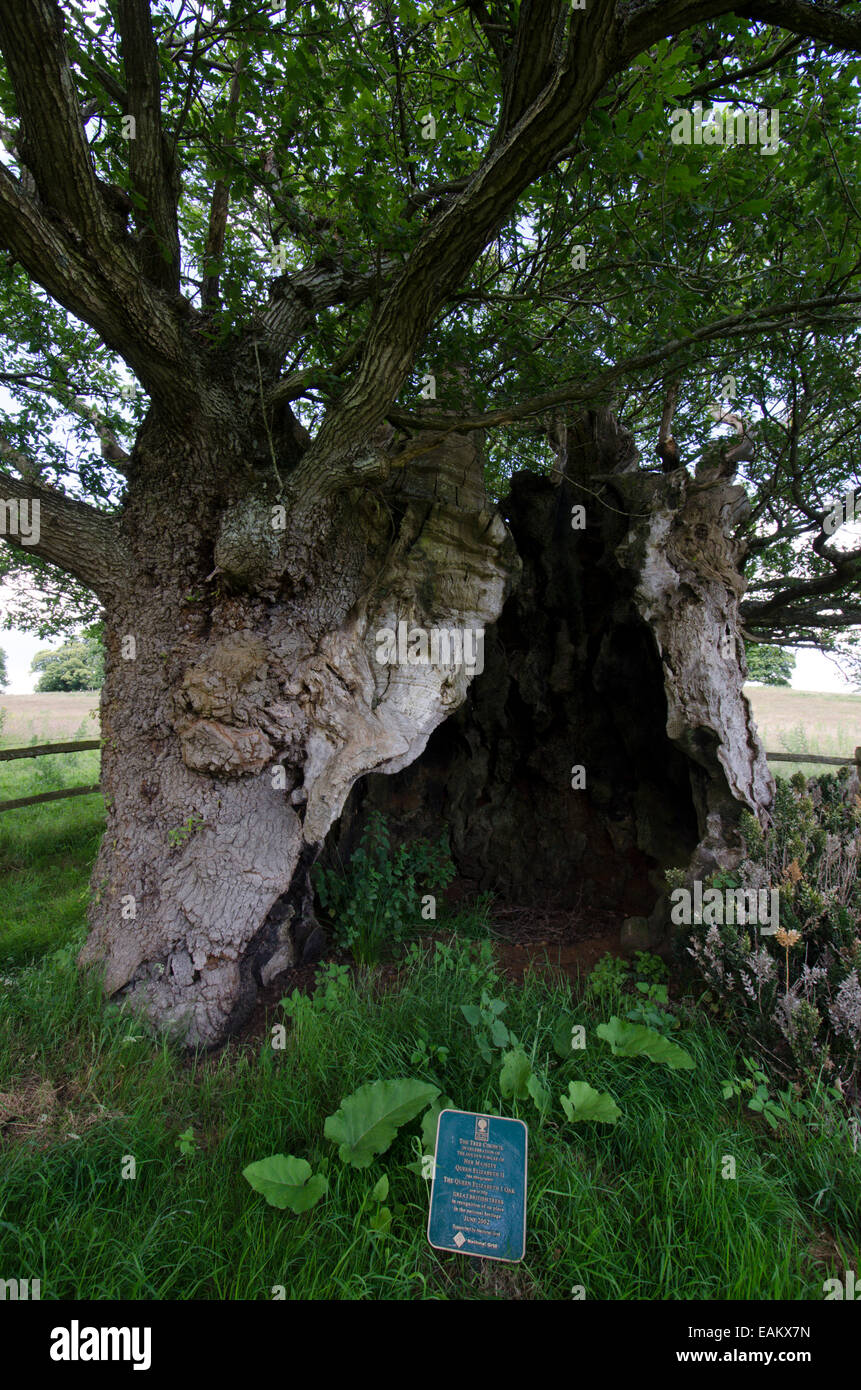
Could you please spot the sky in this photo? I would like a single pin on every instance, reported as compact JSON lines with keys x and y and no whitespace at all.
{"x":20,"y":648}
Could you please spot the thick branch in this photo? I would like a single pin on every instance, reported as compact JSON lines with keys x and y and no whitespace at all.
{"x":798,"y":601}
{"x":132,"y":316}
{"x":812,"y":21}
{"x":644,"y":24}
{"x":296,"y":299}
{"x":452,"y":243}
{"x":150,"y":162}
{"x":52,"y":141}
{"x":78,"y":539}
{"x":539,"y":47}
{"x":744,"y":324}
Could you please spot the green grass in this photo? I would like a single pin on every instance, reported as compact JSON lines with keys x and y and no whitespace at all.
{"x":798,"y":739}
{"x":46,"y":852}
{"x":638,"y":1211}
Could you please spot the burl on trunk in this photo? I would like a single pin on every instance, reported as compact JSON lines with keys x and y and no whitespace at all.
{"x":245,"y":696}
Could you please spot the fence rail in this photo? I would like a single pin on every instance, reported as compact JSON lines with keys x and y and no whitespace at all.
{"x":85,"y":745}
{"x":38,"y":750}
{"x":48,"y":796}
{"x":817,"y":758}
{"x":41,"y":750}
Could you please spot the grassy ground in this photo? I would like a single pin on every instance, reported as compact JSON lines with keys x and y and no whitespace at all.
{"x":46,"y":852}
{"x":638,"y":1210}
{"x":635,"y":1211}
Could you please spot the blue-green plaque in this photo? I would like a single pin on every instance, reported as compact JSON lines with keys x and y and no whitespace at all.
{"x":478,"y":1197}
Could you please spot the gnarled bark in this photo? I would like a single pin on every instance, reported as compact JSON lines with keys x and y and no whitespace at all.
{"x":255,"y":700}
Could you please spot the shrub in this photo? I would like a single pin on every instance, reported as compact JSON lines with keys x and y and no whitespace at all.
{"x":608,"y":976}
{"x":378,"y":900}
{"x":802,"y":985}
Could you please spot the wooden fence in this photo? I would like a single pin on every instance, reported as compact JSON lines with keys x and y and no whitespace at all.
{"x":40,"y":751}
{"x":84,"y":745}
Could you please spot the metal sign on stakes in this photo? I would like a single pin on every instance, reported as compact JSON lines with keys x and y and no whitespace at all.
{"x":478,"y":1196}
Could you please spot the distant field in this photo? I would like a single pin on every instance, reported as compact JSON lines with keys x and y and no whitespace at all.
{"x":55,"y":718}
{"x":48,"y":718}
{"x":47,"y":852}
{"x":805,"y":721}
{"x":789,"y":721}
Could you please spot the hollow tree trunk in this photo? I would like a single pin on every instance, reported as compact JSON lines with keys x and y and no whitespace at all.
{"x":618,"y":652}
{"x":243,"y":698}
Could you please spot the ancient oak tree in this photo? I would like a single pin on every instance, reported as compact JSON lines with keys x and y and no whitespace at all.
{"x":316,"y":279}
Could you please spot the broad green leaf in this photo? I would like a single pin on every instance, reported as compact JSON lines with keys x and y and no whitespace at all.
{"x":286,"y":1181}
{"x":472,"y":1014}
{"x":430,"y":1121}
{"x":515,"y":1074}
{"x":583,"y":1102}
{"x":381,"y":1220}
{"x":539,"y":1093}
{"x":381,"y":1190}
{"x":562,"y":1036}
{"x":367,"y":1121}
{"x":498,"y":1033}
{"x":633,"y":1039}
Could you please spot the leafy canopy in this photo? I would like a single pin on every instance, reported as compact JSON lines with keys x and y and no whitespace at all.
{"x":337,"y":134}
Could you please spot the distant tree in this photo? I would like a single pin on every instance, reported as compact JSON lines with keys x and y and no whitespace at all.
{"x":4,"y":678}
{"x":770,"y":665}
{"x":78,"y":665}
